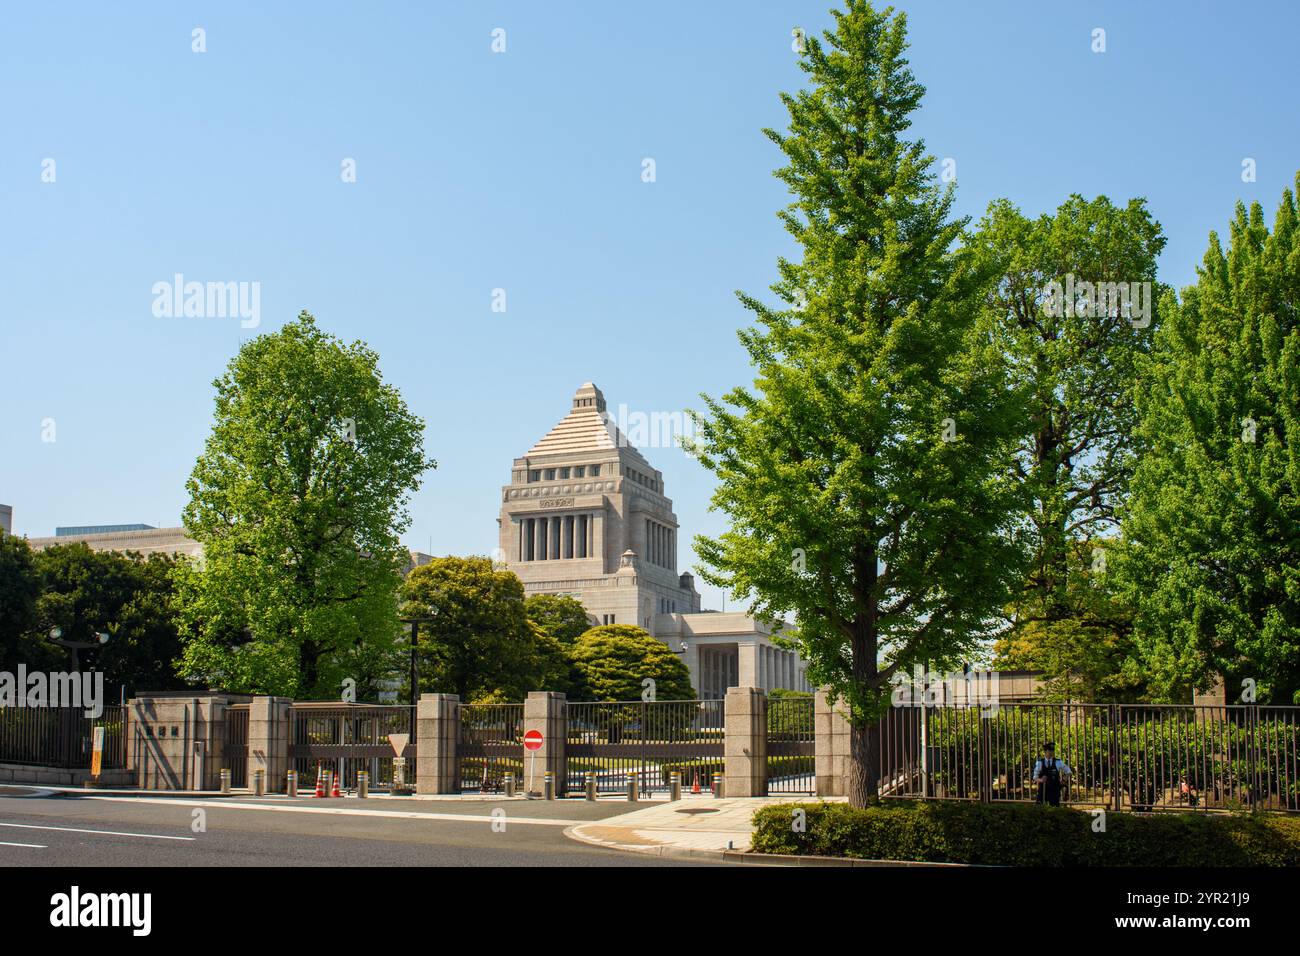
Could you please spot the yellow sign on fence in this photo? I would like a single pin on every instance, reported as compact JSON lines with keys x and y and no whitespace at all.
{"x":97,"y":751}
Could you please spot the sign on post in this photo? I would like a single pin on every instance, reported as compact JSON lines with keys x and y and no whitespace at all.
{"x":532,"y":743}
{"x":97,"y":752}
{"x":398,"y":742}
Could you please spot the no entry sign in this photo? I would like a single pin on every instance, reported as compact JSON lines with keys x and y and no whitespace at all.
{"x":533,"y":740}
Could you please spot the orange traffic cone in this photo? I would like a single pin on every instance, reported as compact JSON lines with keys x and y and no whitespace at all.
{"x":695,"y":787}
{"x":335,"y":792}
{"x":320,"y":783}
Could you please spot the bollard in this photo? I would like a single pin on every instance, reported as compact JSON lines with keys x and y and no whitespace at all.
{"x":225,"y":781}
{"x":363,"y":783}
{"x":548,"y":785}
{"x":291,"y":783}
{"x":591,"y":785}
{"x":259,"y":782}
{"x":675,"y":785}
{"x":631,"y":788}
{"x":717,"y":785}
{"x":510,"y":784}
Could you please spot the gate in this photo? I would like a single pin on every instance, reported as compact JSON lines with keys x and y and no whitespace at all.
{"x":346,"y":738}
{"x":236,"y":758}
{"x":645,"y":741}
{"x":791,"y":745}
{"x":491,"y":744}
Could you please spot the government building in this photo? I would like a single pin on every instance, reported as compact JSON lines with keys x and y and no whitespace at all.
{"x":586,"y":515}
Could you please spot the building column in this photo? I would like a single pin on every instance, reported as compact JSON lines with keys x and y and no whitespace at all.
{"x":598,"y":537}
{"x":547,"y":712}
{"x":268,"y":740}
{"x":567,"y":533}
{"x":745,"y":743}
{"x":691,"y":658}
{"x":747,"y":660}
{"x":437,"y":735}
{"x":539,"y":541}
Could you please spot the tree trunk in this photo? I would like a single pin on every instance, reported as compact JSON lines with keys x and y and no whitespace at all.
{"x":864,"y":763}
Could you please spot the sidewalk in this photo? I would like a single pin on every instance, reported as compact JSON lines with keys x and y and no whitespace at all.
{"x":697,"y":826}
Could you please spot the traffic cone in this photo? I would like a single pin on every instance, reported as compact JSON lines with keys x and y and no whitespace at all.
{"x":320,"y":784}
{"x":695,"y":787}
{"x":335,"y":792}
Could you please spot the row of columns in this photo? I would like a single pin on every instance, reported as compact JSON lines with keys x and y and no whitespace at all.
{"x":660,"y":544}
{"x":781,"y":668}
{"x":556,"y":537}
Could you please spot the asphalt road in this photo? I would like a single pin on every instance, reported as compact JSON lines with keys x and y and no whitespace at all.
{"x":44,"y":828}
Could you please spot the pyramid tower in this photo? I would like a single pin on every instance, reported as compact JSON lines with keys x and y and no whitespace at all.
{"x":585,"y":514}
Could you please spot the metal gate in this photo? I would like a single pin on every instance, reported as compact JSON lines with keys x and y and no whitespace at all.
{"x":346,"y":738}
{"x":236,"y":756}
{"x":491,"y":744}
{"x":645,"y":741}
{"x":791,"y":745}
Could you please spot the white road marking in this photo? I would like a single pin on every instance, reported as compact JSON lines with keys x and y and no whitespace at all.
{"x":30,"y":846}
{"x":341,"y":811}
{"x":143,"y":836}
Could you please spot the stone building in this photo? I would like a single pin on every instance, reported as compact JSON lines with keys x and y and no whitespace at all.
{"x":585,"y":514}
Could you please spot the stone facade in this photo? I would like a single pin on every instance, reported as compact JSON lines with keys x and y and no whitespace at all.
{"x":585,"y":514}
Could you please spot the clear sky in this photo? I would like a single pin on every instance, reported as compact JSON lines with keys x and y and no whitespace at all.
{"x":522,"y":171}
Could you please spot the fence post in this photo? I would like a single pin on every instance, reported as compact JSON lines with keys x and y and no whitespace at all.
{"x":1116,"y":788}
{"x":831,"y":747}
{"x":985,"y":759}
{"x":745,"y":742}
{"x":269,"y":733}
{"x":437,"y":735}
{"x":545,"y":711}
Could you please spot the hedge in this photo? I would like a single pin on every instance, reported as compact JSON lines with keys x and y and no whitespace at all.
{"x":1026,"y":835}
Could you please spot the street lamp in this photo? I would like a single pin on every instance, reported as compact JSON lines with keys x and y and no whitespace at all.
{"x":56,"y":637}
{"x":415,"y":621}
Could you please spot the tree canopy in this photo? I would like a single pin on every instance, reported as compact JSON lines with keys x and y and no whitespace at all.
{"x":614,"y":660}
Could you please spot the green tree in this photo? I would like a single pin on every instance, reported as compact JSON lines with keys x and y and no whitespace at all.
{"x":479,"y":643}
{"x":126,"y":596}
{"x":561,"y":616}
{"x":1212,"y":528}
{"x":864,"y":473}
{"x":19,"y":589}
{"x":299,"y":499}
{"x":1076,"y":363}
{"x":614,"y":659}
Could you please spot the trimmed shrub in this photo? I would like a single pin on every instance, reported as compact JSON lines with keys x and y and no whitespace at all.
{"x":1027,"y":835}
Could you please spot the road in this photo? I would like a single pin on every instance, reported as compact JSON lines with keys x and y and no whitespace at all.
{"x":49,"y":828}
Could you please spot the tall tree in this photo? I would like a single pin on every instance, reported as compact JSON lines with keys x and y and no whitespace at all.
{"x":1072,"y":306}
{"x":1212,"y":530}
{"x":864,"y":472}
{"x":19,"y":589}
{"x":614,"y":660}
{"x":299,"y":499}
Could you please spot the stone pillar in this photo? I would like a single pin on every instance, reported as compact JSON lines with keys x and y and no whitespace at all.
{"x":598,"y":540}
{"x":831,"y":732}
{"x":745,"y":743}
{"x":545,"y":711}
{"x":747,"y":663}
{"x":437,"y":735}
{"x":269,"y":733}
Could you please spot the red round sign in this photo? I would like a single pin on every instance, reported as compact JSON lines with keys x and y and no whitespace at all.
{"x":533,"y":740}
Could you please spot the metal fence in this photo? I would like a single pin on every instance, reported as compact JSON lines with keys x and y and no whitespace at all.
{"x":346,"y":738}
{"x":237,"y":744}
{"x":491,"y":745}
{"x":646,"y":741}
{"x":791,"y":745}
{"x":61,"y":737}
{"x":1121,"y":756}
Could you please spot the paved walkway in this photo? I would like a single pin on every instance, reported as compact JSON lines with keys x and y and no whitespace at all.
{"x":692,"y":826}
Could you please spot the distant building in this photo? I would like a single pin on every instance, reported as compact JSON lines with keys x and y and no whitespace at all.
{"x":100,"y":529}
{"x":6,"y":519}
{"x":585,"y":514}
{"x":141,"y":538}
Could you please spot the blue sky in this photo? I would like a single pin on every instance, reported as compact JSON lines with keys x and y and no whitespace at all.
{"x":519,"y":170}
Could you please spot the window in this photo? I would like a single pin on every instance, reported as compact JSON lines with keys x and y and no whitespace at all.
{"x":535,"y":475}
{"x":579,"y":471}
{"x":595,"y":471}
{"x":550,"y":474}
{"x":564,"y":473}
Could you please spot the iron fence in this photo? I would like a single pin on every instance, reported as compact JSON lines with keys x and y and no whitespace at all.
{"x":643,"y":740}
{"x":1121,"y":756}
{"x":491,"y":745}
{"x":236,"y":754}
{"x":791,"y":745}
{"x":346,"y":738}
{"x":61,"y":737}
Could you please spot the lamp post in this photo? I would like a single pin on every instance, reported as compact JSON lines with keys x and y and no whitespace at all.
{"x":56,"y":637}
{"x":415,"y":621}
